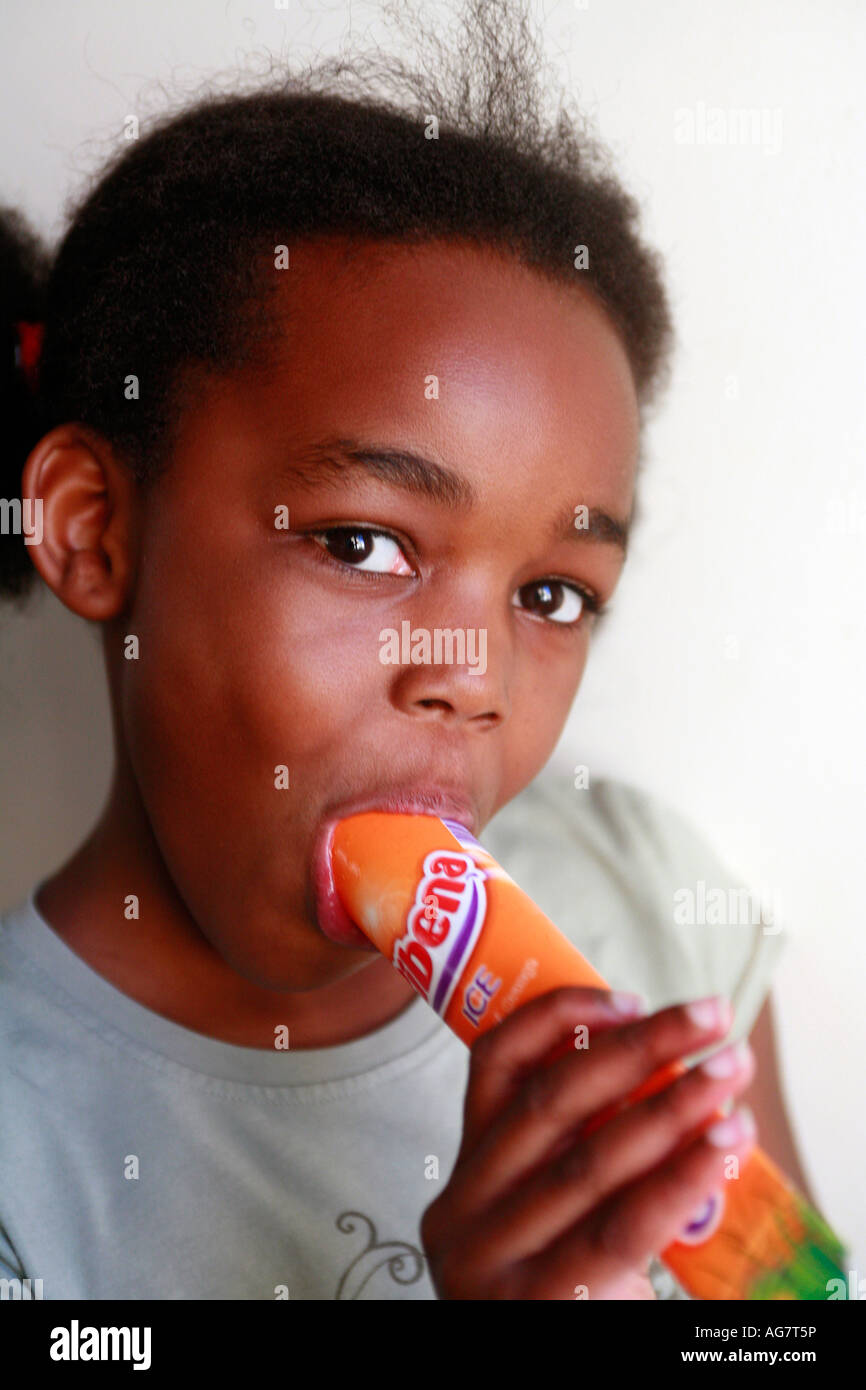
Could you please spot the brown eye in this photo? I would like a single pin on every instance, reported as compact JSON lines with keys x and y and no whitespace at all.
{"x":553,"y":599}
{"x":362,"y":548}
{"x":349,"y":546}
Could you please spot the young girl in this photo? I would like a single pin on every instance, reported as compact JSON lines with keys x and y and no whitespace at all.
{"x":304,"y":368}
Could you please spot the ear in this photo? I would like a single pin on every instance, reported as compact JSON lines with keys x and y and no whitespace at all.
{"x":85,"y":504}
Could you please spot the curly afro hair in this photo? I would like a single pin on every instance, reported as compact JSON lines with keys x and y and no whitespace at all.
{"x":164,"y":263}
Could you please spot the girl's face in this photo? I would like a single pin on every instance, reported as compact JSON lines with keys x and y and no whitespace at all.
{"x":469,"y":410}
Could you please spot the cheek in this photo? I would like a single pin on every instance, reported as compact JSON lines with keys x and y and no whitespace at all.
{"x":539,"y":712}
{"x":237,"y":677}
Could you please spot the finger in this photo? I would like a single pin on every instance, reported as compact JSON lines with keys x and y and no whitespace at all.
{"x":640,"y":1220}
{"x":554,"y":1101}
{"x":560,"y":1193}
{"x":502,"y":1057}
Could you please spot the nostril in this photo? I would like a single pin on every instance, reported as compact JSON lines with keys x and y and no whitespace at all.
{"x":490,"y":720}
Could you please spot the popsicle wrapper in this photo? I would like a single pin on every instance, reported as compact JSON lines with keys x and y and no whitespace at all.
{"x":476,"y":947}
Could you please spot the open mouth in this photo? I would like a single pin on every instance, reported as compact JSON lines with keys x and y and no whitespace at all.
{"x":331,"y":917}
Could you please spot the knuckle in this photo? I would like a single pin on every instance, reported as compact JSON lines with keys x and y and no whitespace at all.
{"x":686,"y":1174}
{"x":668,"y":1185}
{"x":536,"y":1095}
{"x":657,"y":1043}
{"x":633,"y":1039}
{"x":649,"y":1042}
{"x":670,"y":1105}
{"x":609,"y":1239}
{"x":578,"y":1165}
{"x":485,"y":1050}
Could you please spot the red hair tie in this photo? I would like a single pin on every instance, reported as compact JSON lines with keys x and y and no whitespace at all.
{"x":29,"y":348}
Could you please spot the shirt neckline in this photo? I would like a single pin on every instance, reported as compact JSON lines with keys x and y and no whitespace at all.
{"x":78,"y":986}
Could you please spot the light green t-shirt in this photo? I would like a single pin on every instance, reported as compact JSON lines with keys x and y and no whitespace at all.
{"x":140,"y":1159}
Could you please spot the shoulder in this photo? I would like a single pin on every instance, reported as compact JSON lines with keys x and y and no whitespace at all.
{"x":613,"y":826}
{"x":628,"y":815}
{"x":628,"y":878}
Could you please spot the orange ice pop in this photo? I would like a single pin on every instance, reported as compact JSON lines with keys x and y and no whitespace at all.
{"x":475,"y":946}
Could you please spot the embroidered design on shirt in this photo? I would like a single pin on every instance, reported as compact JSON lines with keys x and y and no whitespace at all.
{"x":405,"y":1262}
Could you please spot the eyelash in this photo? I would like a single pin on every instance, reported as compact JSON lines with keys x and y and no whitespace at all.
{"x":592,"y":604}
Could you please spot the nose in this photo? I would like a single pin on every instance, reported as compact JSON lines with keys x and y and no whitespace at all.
{"x":454,"y":675}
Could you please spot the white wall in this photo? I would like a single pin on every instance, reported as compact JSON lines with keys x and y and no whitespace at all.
{"x":731,"y":679}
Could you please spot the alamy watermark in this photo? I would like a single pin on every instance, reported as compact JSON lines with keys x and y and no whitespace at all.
{"x":727,"y":907}
{"x":444,"y":646}
{"x":77,"y":1343}
{"x":22,"y":1289}
{"x":738,"y":125}
{"x":17,"y":518}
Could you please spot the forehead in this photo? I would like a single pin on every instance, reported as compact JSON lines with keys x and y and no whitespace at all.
{"x":463,"y":343}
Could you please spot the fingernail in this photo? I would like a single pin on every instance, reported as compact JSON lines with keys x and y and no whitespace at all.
{"x":735,"y":1129}
{"x":728,"y":1060}
{"x":713,"y":1012}
{"x":632,"y":1005}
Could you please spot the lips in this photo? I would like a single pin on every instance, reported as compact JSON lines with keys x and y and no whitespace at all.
{"x":331,"y":917}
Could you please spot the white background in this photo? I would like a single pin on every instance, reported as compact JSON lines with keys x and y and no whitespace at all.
{"x":730,"y":679}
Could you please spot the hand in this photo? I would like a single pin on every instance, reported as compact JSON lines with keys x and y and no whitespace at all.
{"x":532,"y":1210}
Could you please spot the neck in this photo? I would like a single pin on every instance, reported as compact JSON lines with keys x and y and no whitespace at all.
{"x":166,"y":962}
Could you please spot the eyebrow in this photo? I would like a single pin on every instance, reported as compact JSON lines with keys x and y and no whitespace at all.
{"x":340,"y":458}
